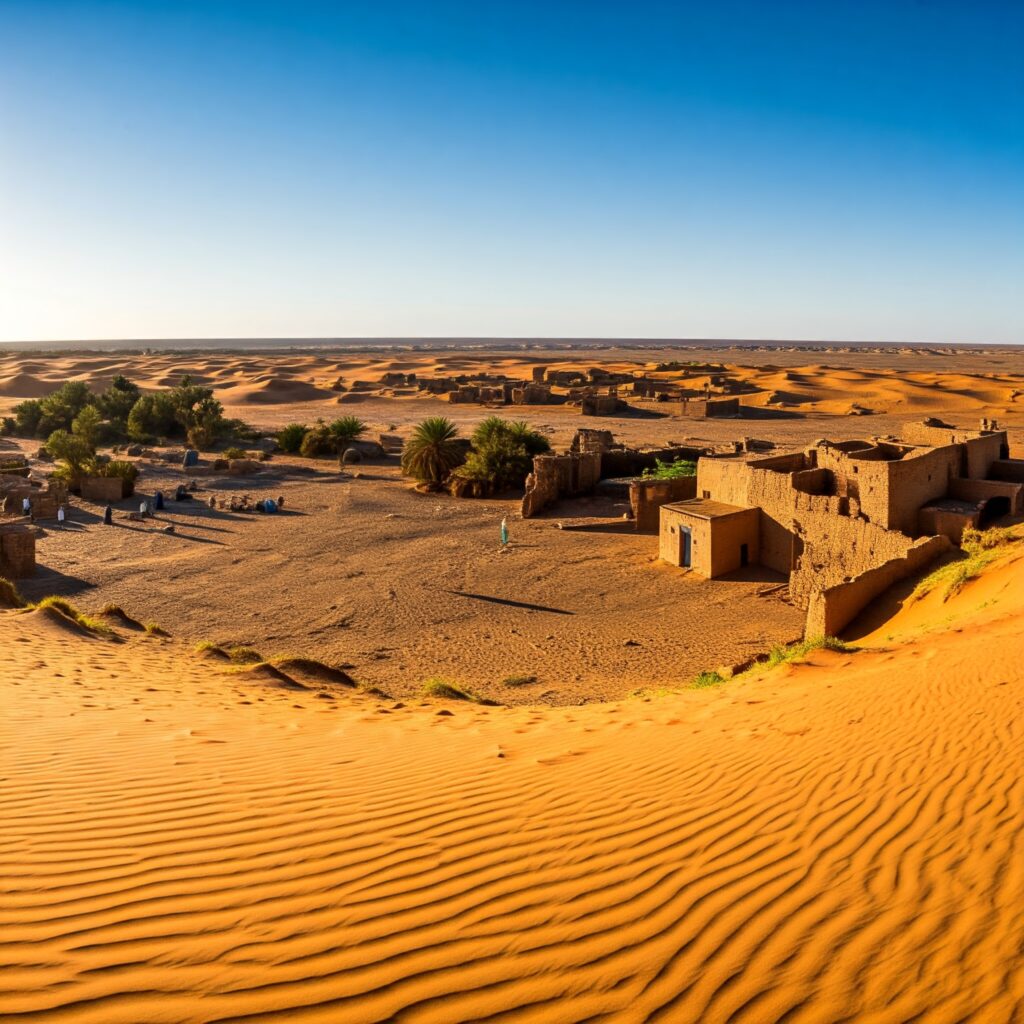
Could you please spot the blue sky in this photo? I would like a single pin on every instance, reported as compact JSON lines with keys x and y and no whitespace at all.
{"x":736,"y":170}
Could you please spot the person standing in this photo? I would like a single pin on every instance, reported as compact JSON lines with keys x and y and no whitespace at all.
{"x":504,"y":532}
{"x":108,"y":516}
{"x":26,"y":506}
{"x":60,"y":517}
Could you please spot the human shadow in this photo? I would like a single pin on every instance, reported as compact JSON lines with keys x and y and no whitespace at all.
{"x":511,"y":604}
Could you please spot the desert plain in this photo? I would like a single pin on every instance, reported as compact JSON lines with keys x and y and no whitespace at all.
{"x":837,"y":837}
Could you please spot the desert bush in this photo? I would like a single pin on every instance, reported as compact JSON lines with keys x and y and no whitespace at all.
{"x":119,"y":468}
{"x":74,"y":451}
{"x":151,"y":416}
{"x":88,"y":425}
{"x":117,"y":402}
{"x":433,"y":451}
{"x":317,"y":441}
{"x":705,"y":680}
{"x":502,"y":453}
{"x":8,"y":426}
{"x":346,"y":430}
{"x":514,"y":681}
{"x":27,"y":416}
{"x":289,"y":438}
{"x":235,"y":453}
{"x":446,"y":690}
{"x":670,"y":470}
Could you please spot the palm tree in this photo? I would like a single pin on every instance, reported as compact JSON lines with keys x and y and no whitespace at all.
{"x":433,"y":451}
{"x":346,"y":430}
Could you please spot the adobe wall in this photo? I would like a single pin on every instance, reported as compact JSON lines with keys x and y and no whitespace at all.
{"x":982,"y":490}
{"x":17,"y":552}
{"x":1008,"y":469}
{"x":647,"y":496}
{"x":890,"y":492}
{"x":728,"y":533}
{"x":981,"y":448}
{"x":559,"y":476}
{"x":836,"y":549}
{"x":949,"y":522}
{"x":104,"y":489}
{"x":833,"y":608}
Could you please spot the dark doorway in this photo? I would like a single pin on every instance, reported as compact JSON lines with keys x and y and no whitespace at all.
{"x":744,"y":555}
{"x":684,"y":541}
{"x":994,"y":508}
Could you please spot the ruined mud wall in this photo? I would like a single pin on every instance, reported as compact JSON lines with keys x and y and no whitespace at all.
{"x":647,"y":496}
{"x":889,"y":492}
{"x":830,"y":609}
{"x":17,"y":552}
{"x":559,"y":476}
{"x":835,"y":549}
{"x":982,"y":490}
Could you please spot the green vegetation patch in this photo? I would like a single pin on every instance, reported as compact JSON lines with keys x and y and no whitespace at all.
{"x":670,"y":470}
{"x":978,"y":548}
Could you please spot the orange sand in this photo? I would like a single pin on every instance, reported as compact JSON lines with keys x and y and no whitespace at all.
{"x":838,"y":840}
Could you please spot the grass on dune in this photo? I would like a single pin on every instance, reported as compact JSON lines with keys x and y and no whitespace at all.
{"x":780,"y":654}
{"x":69,"y":611}
{"x":978,"y":548}
{"x":9,"y":595}
{"x":447,"y":690}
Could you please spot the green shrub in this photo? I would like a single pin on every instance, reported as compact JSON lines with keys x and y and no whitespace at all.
{"x":502,"y":453}
{"x":346,"y":430}
{"x":705,"y":680}
{"x":289,"y":438}
{"x":235,"y":453}
{"x":317,"y":441}
{"x":244,"y":655}
{"x":670,"y":470}
{"x":152,"y":416}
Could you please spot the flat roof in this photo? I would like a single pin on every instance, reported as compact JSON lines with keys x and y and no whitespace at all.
{"x":704,"y":508}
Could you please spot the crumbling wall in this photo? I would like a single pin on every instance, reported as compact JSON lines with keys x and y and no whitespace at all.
{"x":836,"y":549}
{"x":832,"y":608}
{"x":982,"y":490}
{"x":559,"y":476}
{"x":647,"y":496}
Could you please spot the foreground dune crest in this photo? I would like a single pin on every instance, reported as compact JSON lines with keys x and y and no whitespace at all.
{"x":835,"y":840}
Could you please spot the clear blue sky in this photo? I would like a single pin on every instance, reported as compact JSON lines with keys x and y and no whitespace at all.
{"x":721,"y":169}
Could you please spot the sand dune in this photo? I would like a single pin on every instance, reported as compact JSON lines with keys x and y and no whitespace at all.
{"x":839,"y":840}
{"x":25,"y":385}
{"x":274,"y":390}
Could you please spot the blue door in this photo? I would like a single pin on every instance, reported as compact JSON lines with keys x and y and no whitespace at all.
{"x":684,"y":541}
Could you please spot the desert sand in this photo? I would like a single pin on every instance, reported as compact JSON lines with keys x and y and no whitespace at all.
{"x":834,"y":840}
{"x":840,"y":838}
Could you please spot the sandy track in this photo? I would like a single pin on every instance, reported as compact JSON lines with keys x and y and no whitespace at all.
{"x":837,"y":841}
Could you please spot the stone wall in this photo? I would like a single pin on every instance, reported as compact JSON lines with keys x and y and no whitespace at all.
{"x":647,"y":496}
{"x":560,"y":476}
{"x":833,"y":608}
